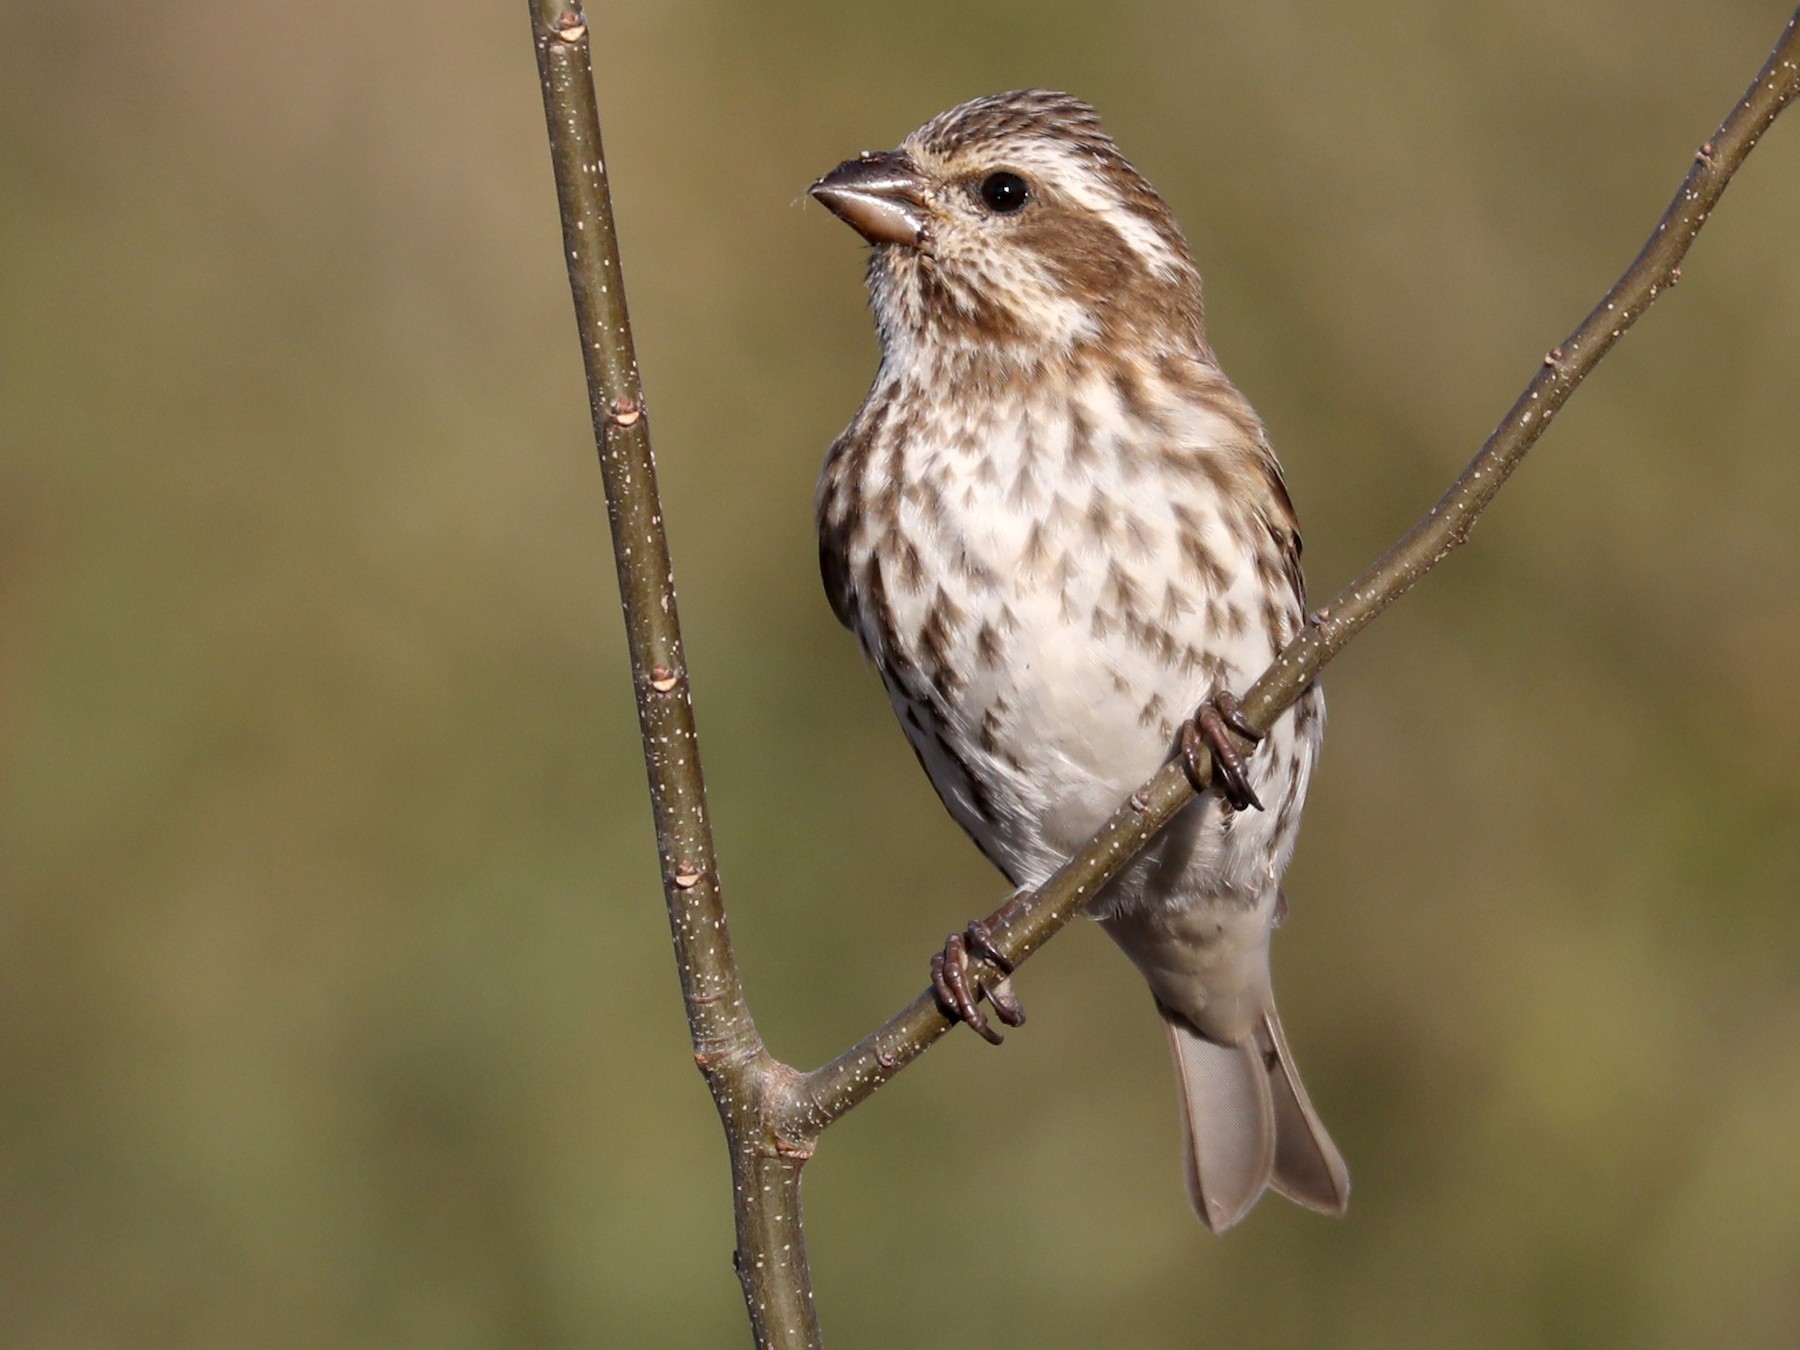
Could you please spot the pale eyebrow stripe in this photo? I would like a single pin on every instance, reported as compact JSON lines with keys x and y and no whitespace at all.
{"x":1077,"y":179}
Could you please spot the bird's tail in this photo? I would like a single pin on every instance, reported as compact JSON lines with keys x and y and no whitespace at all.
{"x":1249,"y":1125}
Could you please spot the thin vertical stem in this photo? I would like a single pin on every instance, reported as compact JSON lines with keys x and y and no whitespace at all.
{"x":771,"y":1254}
{"x":722,"y":1028}
{"x":771,"y":1250}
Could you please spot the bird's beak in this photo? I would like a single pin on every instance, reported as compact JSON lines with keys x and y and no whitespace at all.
{"x":881,"y":197}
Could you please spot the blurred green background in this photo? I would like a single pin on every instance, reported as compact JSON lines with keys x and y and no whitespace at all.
{"x":336,"y":1006}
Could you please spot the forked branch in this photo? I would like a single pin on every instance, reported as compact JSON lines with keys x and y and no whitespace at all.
{"x":773,"y":1114}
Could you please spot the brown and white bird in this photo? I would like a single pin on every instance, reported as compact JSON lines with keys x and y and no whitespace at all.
{"x":1056,"y":528}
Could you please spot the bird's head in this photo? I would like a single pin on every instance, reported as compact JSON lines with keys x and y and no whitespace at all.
{"x":1012,"y":225}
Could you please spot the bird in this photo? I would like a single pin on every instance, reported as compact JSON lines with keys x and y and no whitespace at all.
{"x":1055,"y":526}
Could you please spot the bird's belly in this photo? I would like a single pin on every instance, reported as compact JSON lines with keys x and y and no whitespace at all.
{"x":1058,"y":713}
{"x":1048,"y":602}
{"x":1083,"y":718}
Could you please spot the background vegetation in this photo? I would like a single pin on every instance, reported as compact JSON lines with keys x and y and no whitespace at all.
{"x":335,"y":999}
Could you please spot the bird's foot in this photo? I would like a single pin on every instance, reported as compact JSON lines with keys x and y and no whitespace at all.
{"x":959,"y":991}
{"x":1211,"y":728}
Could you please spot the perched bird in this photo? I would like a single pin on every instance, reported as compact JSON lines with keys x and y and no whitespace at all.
{"x":1056,"y":529}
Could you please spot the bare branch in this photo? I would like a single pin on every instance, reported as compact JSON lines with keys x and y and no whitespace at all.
{"x":833,"y":1089}
{"x":772,"y":1114}
{"x":723,"y":1030}
{"x":771,"y":1255}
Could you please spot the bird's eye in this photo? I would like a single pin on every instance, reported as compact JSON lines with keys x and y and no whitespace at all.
{"x":1004,"y":192}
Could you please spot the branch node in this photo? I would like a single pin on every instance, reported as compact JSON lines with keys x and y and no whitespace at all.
{"x":570,"y":27}
{"x":662,"y":679}
{"x":687,"y":876}
{"x":625,"y":412}
{"x":1705,"y":153}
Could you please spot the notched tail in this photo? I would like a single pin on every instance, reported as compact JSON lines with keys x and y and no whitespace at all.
{"x":1309,"y":1170}
{"x":1249,"y":1126}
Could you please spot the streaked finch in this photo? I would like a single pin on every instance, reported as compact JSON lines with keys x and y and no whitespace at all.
{"x":1056,"y":528}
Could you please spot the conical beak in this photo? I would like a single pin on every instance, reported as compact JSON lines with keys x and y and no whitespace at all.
{"x":881,"y":197}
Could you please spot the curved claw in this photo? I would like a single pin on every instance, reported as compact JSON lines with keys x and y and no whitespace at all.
{"x":959,"y":996}
{"x":956,"y":998}
{"x":1211,"y":728}
{"x":979,"y":938}
{"x":1006,"y":1004}
{"x":1231,"y":713}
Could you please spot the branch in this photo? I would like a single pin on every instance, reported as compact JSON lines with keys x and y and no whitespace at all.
{"x":771,"y":1113}
{"x":1021,"y":929}
{"x":771,"y":1252}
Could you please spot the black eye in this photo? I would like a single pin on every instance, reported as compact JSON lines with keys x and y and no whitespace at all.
{"x":1004,"y":192}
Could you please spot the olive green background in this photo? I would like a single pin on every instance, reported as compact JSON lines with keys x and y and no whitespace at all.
{"x":336,"y":1005}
